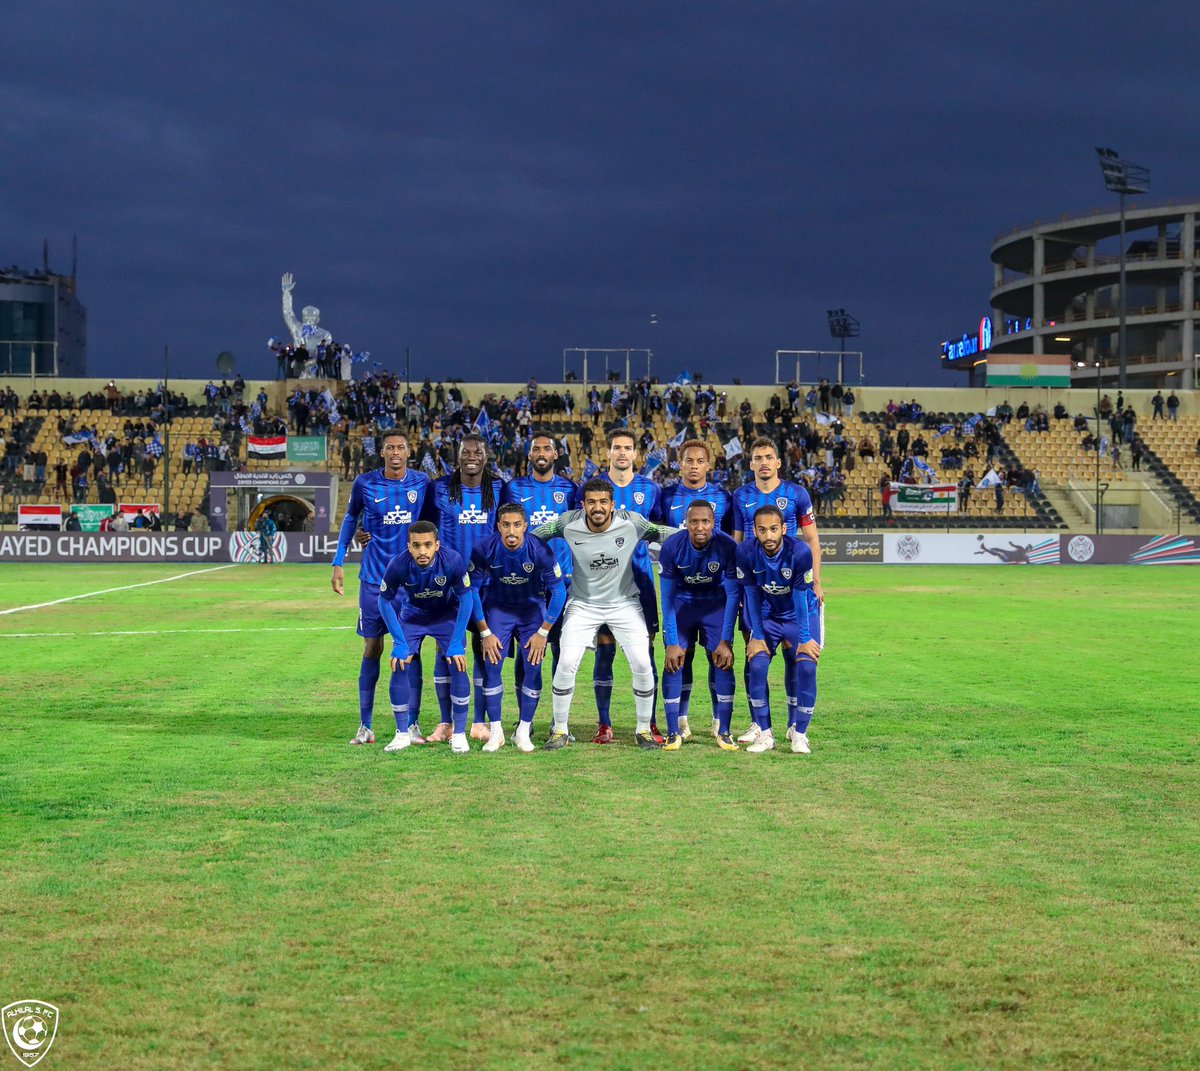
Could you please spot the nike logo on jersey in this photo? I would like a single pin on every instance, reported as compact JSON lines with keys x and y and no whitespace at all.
{"x":384,"y":499}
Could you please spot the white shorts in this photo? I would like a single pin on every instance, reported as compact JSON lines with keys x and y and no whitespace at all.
{"x":624,"y":619}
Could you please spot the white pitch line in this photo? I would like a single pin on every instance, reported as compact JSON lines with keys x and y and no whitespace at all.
{"x":180,"y":631}
{"x":109,"y":591}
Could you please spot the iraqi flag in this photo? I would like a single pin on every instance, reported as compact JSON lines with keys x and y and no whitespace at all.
{"x":266,"y":447}
{"x":39,"y":518}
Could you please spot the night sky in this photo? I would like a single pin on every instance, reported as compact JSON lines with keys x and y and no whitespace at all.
{"x":488,"y":183}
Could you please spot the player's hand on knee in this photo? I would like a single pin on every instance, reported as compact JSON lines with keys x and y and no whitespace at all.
{"x":812,"y":650}
{"x":400,"y":663}
{"x":536,"y":646}
{"x":675,"y":657}
{"x":490,"y":646}
{"x":722,"y":656}
{"x":458,"y":661}
{"x":756,"y":647}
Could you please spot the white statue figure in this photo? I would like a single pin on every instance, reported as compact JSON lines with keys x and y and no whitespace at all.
{"x":307,"y":331}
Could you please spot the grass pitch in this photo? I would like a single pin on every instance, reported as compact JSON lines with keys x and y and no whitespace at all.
{"x":991,"y":859}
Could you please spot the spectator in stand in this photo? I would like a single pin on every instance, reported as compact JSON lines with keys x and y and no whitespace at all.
{"x":1060,"y":411}
{"x":965,"y":486}
{"x":1173,"y":406}
{"x":1158,"y":401}
{"x":902,"y":440}
{"x":999,"y":488}
{"x":885,"y":495}
{"x":1135,"y":454}
{"x":147,"y":471}
{"x":866,"y":448}
{"x":848,"y":404}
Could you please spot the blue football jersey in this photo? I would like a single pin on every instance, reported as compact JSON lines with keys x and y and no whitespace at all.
{"x":514,"y":580}
{"x":792,"y":499}
{"x":698,"y":574}
{"x":677,"y":498}
{"x":430,"y":593}
{"x":776,"y":579}
{"x":463,"y":524}
{"x":543,"y":502}
{"x":386,"y":509}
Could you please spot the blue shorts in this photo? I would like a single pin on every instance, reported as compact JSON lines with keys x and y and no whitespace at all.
{"x":439,"y":629}
{"x":776,"y":632}
{"x":508,"y":625}
{"x":371,"y":624}
{"x":697,"y":619}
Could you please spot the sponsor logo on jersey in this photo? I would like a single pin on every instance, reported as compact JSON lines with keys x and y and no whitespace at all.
{"x":471,"y":515}
{"x":514,"y":578}
{"x":776,"y":589}
{"x":603,"y":562}
{"x":542,"y":516}
{"x":699,"y":578}
{"x":430,"y":593}
{"x":398,"y":515}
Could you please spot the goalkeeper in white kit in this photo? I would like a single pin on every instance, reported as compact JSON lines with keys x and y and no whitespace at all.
{"x":603,"y":592}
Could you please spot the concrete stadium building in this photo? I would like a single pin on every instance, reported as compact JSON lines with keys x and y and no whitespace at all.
{"x":1055,"y":291}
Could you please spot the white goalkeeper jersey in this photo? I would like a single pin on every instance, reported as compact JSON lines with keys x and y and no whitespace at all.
{"x":603,"y":560}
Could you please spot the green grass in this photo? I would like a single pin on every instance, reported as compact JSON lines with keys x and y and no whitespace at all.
{"x":991,"y":859}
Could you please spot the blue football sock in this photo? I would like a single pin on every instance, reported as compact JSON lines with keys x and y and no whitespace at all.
{"x":672,"y":685}
{"x":760,"y":698}
{"x":368,"y":678}
{"x":685,"y":690}
{"x":723,"y":703}
{"x":398,"y":692}
{"x":460,"y":697}
{"x":806,"y":693}
{"x":602,"y":680}
{"x":712,"y":688}
{"x":416,"y":679}
{"x":441,"y":688}
{"x":530,"y":692}
{"x":492,"y":689}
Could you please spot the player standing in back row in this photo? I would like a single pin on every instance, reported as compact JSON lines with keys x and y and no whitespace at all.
{"x":796,"y":510}
{"x":387,"y":501}
{"x":639,"y":494}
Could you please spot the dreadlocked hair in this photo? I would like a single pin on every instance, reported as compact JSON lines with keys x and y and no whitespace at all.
{"x":487,"y":485}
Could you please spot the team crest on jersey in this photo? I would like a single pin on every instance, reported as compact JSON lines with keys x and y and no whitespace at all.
{"x":528,"y":567}
{"x":440,"y":581}
{"x":713,"y":566}
{"x":619,"y":542}
{"x":787,"y":573}
{"x":639,"y":497}
{"x":412,"y":496}
{"x":560,"y":497}
{"x":782,"y":503}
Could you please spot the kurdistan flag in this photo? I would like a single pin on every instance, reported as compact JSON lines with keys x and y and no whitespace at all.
{"x":1028,"y":370}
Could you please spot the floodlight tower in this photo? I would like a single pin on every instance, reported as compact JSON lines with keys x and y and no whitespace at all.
{"x":1122,"y":177}
{"x":842,"y":326}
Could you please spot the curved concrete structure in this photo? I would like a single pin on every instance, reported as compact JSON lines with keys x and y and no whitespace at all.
{"x":1055,"y":290}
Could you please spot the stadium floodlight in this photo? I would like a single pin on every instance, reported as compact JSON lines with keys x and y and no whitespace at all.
{"x":842,"y":326}
{"x":1122,"y":177}
{"x":1099,"y":493}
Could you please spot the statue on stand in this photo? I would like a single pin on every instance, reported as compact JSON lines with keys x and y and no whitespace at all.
{"x":306,"y":332}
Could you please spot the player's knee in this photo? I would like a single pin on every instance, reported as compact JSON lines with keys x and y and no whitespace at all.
{"x":373,"y":647}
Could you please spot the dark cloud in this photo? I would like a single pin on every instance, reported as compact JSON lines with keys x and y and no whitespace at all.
{"x":487,"y":183}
